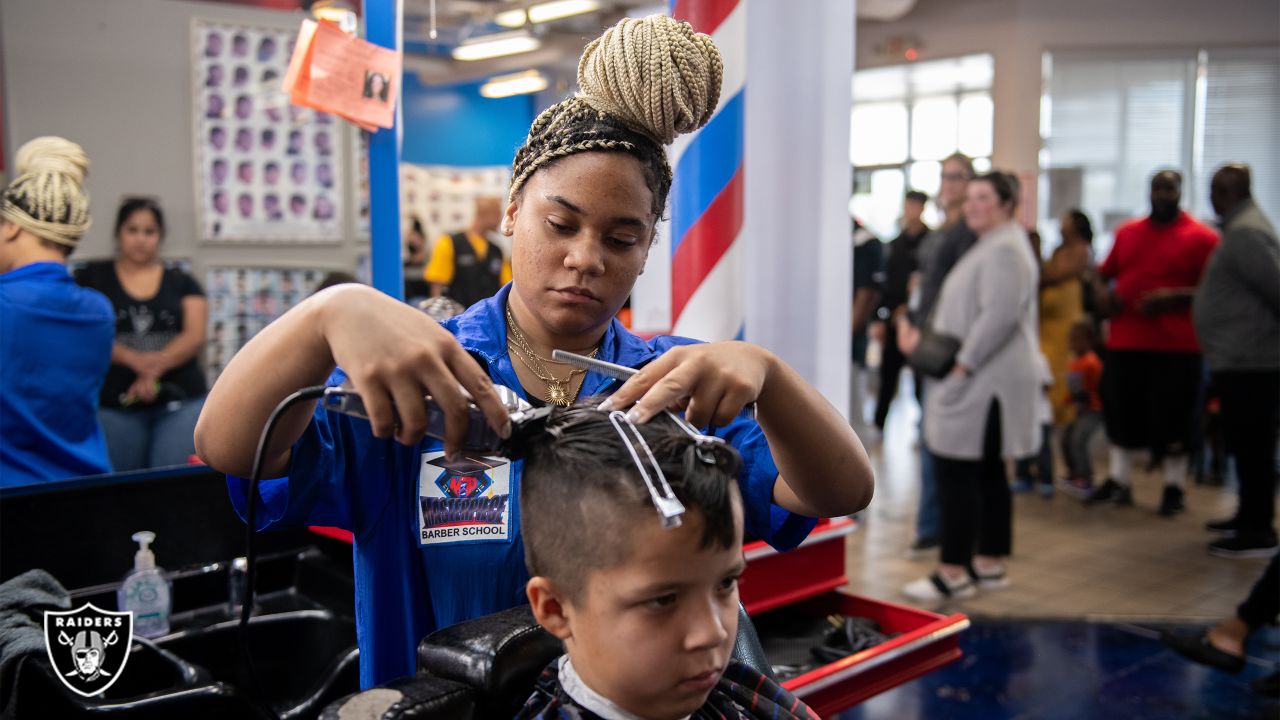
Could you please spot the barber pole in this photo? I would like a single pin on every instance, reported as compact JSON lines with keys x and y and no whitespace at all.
{"x":706,"y":195}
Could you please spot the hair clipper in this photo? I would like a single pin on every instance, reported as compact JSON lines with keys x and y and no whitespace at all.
{"x":526,"y":420}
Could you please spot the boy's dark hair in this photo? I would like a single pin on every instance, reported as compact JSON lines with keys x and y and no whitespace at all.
{"x":917,"y":196}
{"x":581,"y":492}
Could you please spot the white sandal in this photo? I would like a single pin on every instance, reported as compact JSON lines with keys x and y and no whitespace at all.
{"x":994,"y":580}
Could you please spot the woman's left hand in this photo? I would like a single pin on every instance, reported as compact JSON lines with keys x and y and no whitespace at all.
{"x":823,"y":470}
{"x":712,"y":382}
{"x":143,"y":390}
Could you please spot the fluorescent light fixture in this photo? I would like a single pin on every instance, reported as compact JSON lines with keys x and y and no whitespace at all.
{"x":492,"y":46}
{"x":521,"y":83}
{"x":546,"y":12}
{"x":510,"y":18}
{"x":338,"y":12}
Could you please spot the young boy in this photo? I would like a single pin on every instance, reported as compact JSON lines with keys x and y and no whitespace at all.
{"x":647,"y":614}
{"x":1084,"y":374}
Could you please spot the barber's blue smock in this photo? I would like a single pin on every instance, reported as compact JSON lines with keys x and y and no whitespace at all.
{"x":55,"y":347}
{"x":420,"y":564}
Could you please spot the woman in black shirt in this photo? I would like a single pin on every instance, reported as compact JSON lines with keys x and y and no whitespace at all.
{"x":154,"y":389}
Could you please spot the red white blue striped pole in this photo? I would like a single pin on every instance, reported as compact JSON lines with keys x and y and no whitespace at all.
{"x":706,"y":195}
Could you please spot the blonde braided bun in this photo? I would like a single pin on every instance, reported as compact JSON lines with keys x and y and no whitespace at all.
{"x":656,"y":74}
{"x":643,"y":82}
{"x":47,"y":197}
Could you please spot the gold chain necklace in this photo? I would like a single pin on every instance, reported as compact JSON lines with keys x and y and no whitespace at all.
{"x":558,"y":391}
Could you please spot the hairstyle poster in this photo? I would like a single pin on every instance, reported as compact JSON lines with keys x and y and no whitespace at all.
{"x":266,"y":171}
{"x":243,"y":300}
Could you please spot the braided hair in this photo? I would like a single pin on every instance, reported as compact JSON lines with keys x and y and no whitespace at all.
{"x":643,"y":83}
{"x":47,"y":197}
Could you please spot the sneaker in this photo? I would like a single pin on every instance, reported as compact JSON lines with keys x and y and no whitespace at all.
{"x":923,"y":548}
{"x":1109,"y":491}
{"x":1226,"y":526}
{"x":1124,"y":497}
{"x":1046,"y":491}
{"x":1171,"y":501}
{"x":1245,"y":546}
{"x":1078,"y":487}
{"x":937,"y":588}
{"x":1021,"y":486}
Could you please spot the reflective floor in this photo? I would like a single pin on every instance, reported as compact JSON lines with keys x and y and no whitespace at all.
{"x":1072,"y":637}
{"x":1067,"y":670}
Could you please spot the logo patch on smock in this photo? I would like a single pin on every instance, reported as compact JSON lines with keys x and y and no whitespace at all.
{"x":463,"y":505}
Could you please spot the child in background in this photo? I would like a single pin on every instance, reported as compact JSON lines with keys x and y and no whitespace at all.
{"x":1084,"y":374}
{"x":647,"y":614}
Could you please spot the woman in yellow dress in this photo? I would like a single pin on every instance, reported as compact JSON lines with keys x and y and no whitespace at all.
{"x":1062,"y":303}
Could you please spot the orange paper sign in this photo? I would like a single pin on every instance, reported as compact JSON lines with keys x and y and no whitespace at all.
{"x":333,"y":72}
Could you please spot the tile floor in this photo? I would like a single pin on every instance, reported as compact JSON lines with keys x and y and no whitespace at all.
{"x":1076,"y":635}
{"x":1069,"y":561}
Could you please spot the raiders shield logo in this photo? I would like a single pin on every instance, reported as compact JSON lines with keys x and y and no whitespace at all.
{"x":88,"y":647}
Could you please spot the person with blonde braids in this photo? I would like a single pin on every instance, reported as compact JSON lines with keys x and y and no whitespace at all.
{"x":589,"y":186}
{"x":55,"y":337}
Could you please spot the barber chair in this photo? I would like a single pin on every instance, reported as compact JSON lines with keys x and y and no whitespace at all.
{"x":486,"y":668}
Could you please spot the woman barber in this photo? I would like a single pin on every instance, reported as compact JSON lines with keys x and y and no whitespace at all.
{"x":588,"y":187}
{"x":983,"y":411}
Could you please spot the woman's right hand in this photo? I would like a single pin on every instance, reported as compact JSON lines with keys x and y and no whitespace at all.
{"x":393,"y":352}
{"x":908,"y":334}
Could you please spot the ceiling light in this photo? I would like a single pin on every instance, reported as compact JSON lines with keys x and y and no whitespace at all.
{"x":338,"y":12}
{"x":546,"y":12}
{"x":521,"y":83}
{"x":510,"y":18}
{"x":491,"y":46}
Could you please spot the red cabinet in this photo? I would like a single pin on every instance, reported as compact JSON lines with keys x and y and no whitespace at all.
{"x":807,"y":580}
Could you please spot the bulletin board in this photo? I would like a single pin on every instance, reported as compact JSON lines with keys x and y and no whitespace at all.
{"x":242,"y":300}
{"x":266,"y":171}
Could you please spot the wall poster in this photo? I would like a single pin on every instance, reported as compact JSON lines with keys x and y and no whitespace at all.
{"x":266,"y":171}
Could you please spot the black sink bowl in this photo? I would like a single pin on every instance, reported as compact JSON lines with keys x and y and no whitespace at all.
{"x":150,"y":670}
{"x":155,"y":685}
{"x":303,"y":659}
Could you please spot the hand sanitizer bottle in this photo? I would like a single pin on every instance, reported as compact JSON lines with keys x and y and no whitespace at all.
{"x":145,"y":591}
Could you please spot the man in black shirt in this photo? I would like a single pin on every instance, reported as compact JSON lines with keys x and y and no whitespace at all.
{"x":868,"y":280}
{"x":903,"y":262}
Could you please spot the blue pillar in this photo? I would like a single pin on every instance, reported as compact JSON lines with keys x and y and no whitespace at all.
{"x":382,"y":22}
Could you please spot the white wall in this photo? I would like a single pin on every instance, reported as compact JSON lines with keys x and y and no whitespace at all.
{"x":115,"y":76}
{"x":1018,"y":32}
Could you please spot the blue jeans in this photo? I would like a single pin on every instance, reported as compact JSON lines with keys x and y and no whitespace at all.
{"x":157,"y":436}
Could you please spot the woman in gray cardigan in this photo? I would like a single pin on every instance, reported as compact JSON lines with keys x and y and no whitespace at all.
{"x":983,"y":411}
